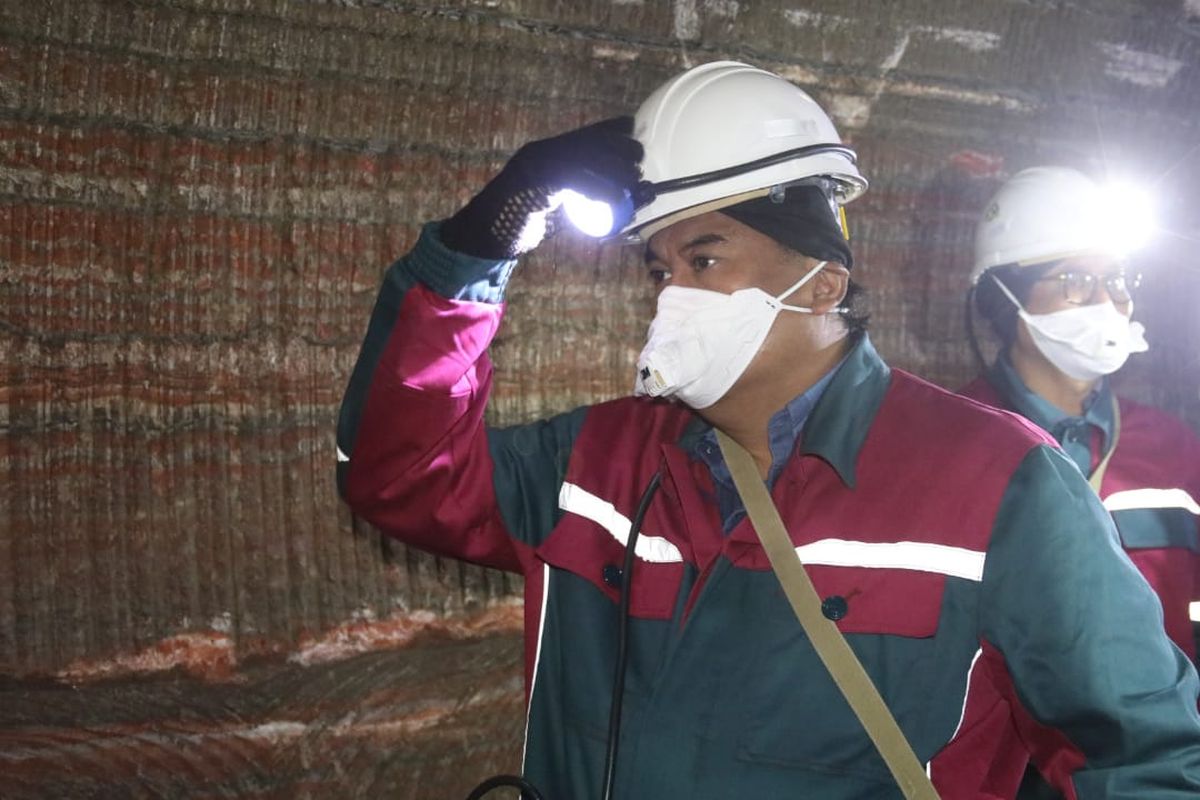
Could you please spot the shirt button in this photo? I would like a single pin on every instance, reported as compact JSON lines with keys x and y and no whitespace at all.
{"x":612,"y":575}
{"x":834,"y":607}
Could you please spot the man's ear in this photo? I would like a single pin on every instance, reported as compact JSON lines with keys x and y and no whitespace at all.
{"x":829,"y":288}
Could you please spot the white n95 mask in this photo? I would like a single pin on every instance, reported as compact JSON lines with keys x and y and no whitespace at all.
{"x":700,"y":341}
{"x":1087,"y":342}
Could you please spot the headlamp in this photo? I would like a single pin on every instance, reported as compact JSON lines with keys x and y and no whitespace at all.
{"x":1123,"y":218}
{"x":596,"y":218}
{"x":601,"y":218}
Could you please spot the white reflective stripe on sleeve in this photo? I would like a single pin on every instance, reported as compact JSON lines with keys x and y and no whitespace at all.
{"x":537,"y":659}
{"x":1151,"y":498}
{"x":341,"y":456}
{"x":962,"y":714}
{"x":577,"y":500}
{"x":966,"y":693}
{"x":920,"y":556}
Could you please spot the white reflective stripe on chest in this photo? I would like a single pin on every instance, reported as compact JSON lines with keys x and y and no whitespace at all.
{"x":920,"y":556}
{"x":577,"y":500}
{"x":1151,"y":498}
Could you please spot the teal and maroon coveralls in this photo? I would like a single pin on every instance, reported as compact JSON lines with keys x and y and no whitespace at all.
{"x":977,"y":576}
{"x":1151,"y":485}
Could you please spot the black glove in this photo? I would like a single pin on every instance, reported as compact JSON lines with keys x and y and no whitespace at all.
{"x":599,"y":161}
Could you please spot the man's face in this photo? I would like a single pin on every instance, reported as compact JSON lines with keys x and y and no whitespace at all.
{"x":715,"y":252}
{"x":1079,"y":281}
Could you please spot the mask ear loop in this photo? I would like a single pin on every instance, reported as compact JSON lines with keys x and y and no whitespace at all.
{"x":788,"y":292}
{"x":1008,"y":294}
{"x":1025,"y":315}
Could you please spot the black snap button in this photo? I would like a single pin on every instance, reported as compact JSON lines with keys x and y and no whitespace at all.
{"x":834,"y":607}
{"x":612,"y":575}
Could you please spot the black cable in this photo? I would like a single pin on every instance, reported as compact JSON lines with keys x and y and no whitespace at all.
{"x":618,"y":691}
{"x":528,"y":790}
{"x":675,"y":184}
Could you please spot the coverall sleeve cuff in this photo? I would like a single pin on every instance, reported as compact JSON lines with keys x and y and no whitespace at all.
{"x":454,"y":275}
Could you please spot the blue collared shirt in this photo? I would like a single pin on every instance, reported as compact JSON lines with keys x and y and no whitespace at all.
{"x":783,"y":431}
{"x":1074,"y":434}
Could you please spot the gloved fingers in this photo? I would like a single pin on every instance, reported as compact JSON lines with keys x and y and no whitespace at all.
{"x":621,"y":155}
{"x":601,"y":179}
{"x":613,"y":128}
{"x":621,"y":126}
{"x":609,"y":137}
{"x":600,"y":161}
{"x":613,"y":136}
{"x":605,"y":149}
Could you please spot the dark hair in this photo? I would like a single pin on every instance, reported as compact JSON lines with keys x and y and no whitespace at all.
{"x":856,"y":315}
{"x":994,"y":306}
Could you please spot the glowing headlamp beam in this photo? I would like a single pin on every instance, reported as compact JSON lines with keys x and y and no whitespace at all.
{"x":592,"y":217}
{"x":1123,"y":218}
{"x":596,"y":218}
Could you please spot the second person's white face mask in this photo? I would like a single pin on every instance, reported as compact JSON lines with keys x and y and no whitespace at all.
{"x":1087,"y":342}
{"x":700,"y":341}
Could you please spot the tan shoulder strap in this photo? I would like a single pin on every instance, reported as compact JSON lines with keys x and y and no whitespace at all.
{"x":828,"y":641}
{"x":1097,"y":476}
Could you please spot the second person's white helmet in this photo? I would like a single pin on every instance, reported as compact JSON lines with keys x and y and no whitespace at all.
{"x":1045,"y":214}
{"x":724,"y":132}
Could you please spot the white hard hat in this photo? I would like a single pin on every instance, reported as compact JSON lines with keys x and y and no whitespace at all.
{"x":724,"y":132}
{"x":1049,"y":213}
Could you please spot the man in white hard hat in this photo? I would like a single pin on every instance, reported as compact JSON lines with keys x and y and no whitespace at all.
{"x":933,"y":528}
{"x":1054,"y":279}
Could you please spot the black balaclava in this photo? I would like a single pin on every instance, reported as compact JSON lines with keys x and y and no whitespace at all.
{"x":800,"y":218}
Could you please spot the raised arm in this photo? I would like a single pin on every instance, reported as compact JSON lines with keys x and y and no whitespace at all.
{"x":414,"y":456}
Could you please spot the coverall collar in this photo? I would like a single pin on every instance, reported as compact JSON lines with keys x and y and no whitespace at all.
{"x":838,"y":425}
{"x":1097,"y":408}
